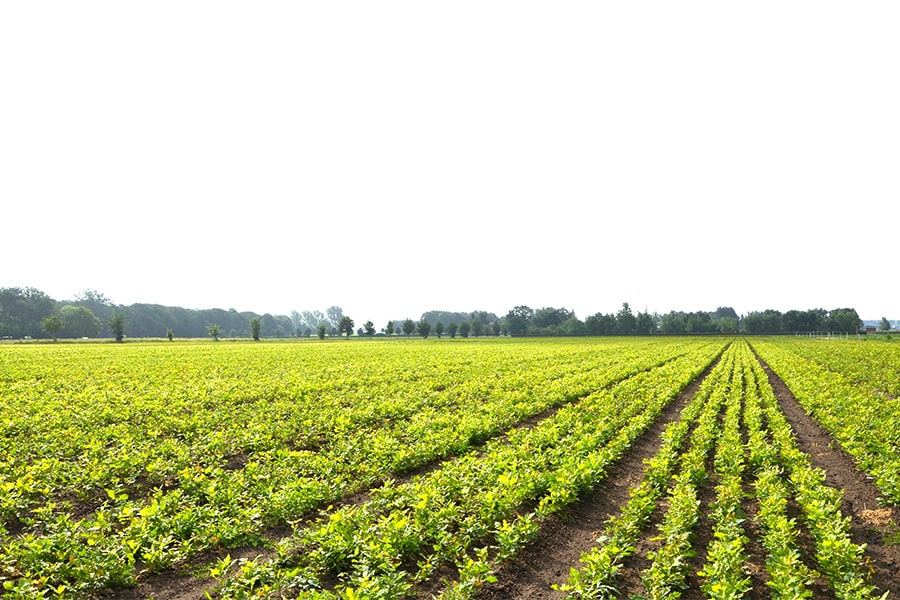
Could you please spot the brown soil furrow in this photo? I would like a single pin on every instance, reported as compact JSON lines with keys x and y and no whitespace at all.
{"x":564,"y":537}
{"x":870,"y":522}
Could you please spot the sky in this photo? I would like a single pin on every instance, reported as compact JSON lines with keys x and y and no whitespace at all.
{"x":397,"y":157}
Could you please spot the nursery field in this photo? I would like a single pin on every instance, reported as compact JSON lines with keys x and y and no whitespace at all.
{"x":491,"y":468}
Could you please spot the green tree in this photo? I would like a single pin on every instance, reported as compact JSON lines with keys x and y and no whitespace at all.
{"x":424,"y":328}
{"x":214,"y":331}
{"x":452,"y":328}
{"x":52,"y":325}
{"x":409,"y":326}
{"x":79,"y":322}
{"x":845,"y":320}
{"x":369,"y":328}
{"x":170,"y":334}
{"x":255,"y":326}
{"x":345,"y":325}
{"x":117,"y":325}
{"x":626,"y":322}
{"x":885,"y":325}
{"x":645,"y":324}
{"x":389,"y":329}
{"x":439,"y":329}
{"x":321,"y":329}
{"x":464,"y":329}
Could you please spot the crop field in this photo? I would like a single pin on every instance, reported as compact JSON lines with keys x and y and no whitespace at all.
{"x":704,"y":467}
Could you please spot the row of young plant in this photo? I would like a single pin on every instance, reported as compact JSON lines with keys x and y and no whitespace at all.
{"x":474,"y":510}
{"x":365,"y":431}
{"x":779,"y":472}
{"x":848,"y":396}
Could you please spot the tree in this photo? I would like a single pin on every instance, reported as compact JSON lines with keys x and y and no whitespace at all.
{"x":439,"y":329}
{"x":170,"y":334}
{"x":845,"y":320}
{"x":345,"y":325}
{"x":464,"y":329}
{"x":321,"y":330}
{"x":214,"y":331}
{"x":52,"y":325}
{"x":645,"y":324}
{"x":424,"y":328}
{"x":452,"y":328}
{"x":369,"y":328}
{"x":334,"y":314}
{"x":389,"y":328}
{"x":885,"y":325}
{"x":409,"y":326}
{"x":22,"y":311}
{"x":79,"y":322}
{"x":117,"y":325}
{"x":517,"y":320}
{"x":626,"y":322}
{"x":255,"y":325}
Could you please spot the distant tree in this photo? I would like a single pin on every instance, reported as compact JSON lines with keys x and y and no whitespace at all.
{"x":550,"y":317}
{"x":79,"y":322}
{"x":885,"y":325}
{"x":600,"y":324}
{"x":517,"y":320}
{"x":409,"y":326}
{"x":424,"y":328}
{"x":572,"y":326}
{"x":170,"y":334}
{"x":626,"y":323}
{"x":439,"y":329}
{"x":477,"y":328}
{"x":496,"y":327}
{"x":345,"y":325}
{"x":334,"y":314}
{"x":389,"y":328}
{"x":845,"y":320}
{"x":255,"y":325}
{"x":321,"y":330}
{"x":117,"y":325}
{"x":52,"y":325}
{"x":214,"y":331}
{"x":727,"y":325}
{"x":464,"y":329}
{"x":645,"y":324}
{"x":22,"y":311}
{"x":452,"y":328}
{"x":369,"y":328}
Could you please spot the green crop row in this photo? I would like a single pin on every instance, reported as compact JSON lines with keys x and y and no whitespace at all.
{"x":846,"y":395}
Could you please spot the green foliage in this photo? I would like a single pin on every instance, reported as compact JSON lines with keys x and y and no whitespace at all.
{"x":369,"y":328}
{"x":423,"y":328}
{"x":214,"y":331}
{"x":117,"y":325}
{"x":345,"y":325}
{"x":52,"y":325}
{"x":255,"y":326}
{"x":409,"y":326}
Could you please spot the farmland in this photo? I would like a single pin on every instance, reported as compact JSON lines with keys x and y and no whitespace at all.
{"x":450,"y":469}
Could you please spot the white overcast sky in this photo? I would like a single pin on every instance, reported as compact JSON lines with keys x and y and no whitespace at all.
{"x":398,"y":157}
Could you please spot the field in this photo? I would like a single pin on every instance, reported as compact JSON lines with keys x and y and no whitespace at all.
{"x":503,"y":468}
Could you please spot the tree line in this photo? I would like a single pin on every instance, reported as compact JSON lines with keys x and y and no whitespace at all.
{"x":27,"y":312}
